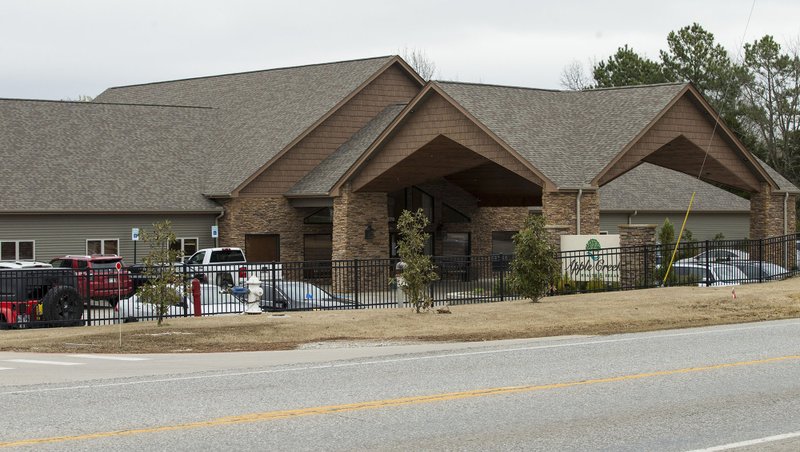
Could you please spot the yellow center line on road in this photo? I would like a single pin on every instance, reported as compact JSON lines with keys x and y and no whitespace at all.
{"x":377,"y":404}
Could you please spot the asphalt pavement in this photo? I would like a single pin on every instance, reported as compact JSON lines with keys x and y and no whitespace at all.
{"x":715,"y":388}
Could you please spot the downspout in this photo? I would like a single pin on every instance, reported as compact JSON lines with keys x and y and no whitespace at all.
{"x":578,"y":207}
{"x":635,"y":212}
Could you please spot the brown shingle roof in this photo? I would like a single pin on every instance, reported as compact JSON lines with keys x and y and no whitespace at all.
{"x":653,"y":188}
{"x":259,"y":113}
{"x":568,"y":135}
{"x":78,"y":156}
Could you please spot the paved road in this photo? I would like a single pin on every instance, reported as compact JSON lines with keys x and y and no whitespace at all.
{"x":699,"y":389}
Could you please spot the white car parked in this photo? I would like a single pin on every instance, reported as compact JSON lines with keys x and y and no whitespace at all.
{"x":16,"y":265}
{"x":213,"y":300}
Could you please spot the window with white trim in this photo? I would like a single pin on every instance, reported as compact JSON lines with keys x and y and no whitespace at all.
{"x":17,"y":250}
{"x":102,"y":246}
{"x":187,"y":246}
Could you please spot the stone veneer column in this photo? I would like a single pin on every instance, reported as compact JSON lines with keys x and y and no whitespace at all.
{"x":554,"y":233}
{"x":767,"y":215}
{"x":352,"y":214}
{"x":638,"y":259}
{"x":560,"y":207}
{"x":767,"y":220}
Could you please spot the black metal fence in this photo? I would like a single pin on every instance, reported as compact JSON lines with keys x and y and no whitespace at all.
{"x":51,"y":297}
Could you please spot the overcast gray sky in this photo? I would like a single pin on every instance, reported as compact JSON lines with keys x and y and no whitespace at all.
{"x":63,"y":49}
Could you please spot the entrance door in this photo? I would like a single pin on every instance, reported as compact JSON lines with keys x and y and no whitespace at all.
{"x":262,"y":247}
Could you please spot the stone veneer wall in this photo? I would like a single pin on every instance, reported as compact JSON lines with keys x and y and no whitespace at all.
{"x":558,"y":208}
{"x":352,"y":213}
{"x":267,"y":215}
{"x":489,"y":219}
{"x":638,"y":260}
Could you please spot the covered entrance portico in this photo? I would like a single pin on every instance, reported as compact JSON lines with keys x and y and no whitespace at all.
{"x":435,"y":158}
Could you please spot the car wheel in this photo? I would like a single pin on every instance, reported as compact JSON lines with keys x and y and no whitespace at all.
{"x":3,"y":323}
{"x":62,"y":306}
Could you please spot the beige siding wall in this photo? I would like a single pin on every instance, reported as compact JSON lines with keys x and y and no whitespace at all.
{"x":704,"y":226}
{"x":58,"y":235}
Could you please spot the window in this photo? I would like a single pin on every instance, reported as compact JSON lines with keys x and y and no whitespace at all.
{"x":187,"y":247}
{"x":503,"y":242}
{"x":451,"y":215}
{"x":17,"y":250}
{"x":320,"y":216}
{"x":410,"y":199}
{"x":102,"y":246}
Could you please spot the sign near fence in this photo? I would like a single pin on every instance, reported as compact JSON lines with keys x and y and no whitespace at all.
{"x":583,"y":258}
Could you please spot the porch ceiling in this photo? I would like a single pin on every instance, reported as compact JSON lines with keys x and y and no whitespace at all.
{"x":491,"y":183}
{"x":682,"y":155}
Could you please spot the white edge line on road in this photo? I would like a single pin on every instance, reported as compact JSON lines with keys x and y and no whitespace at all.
{"x":110,"y":358}
{"x":382,"y":361}
{"x":752,"y":442}
{"x":37,"y":361}
{"x":6,"y":368}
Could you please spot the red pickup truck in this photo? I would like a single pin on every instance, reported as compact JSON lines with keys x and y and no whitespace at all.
{"x":99,"y":271}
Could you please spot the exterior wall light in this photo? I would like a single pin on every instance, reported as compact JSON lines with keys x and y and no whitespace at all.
{"x":369,"y":233}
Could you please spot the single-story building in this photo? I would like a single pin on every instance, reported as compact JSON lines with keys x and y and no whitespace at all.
{"x":318,"y":161}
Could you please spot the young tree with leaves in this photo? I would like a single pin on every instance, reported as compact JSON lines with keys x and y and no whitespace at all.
{"x":419,"y":271}
{"x":163,"y":279}
{"x":535,"y":266}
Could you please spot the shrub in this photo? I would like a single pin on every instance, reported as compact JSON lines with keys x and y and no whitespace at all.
{"x":419,"y":271}
{"x":535,"y":266}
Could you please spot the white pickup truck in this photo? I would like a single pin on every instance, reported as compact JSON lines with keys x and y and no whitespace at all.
{"x":227,"y":266}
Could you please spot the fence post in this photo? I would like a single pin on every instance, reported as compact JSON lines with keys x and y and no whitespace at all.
{"x":502,"y":277}
{"x":355,"y":281}
{"x":272,"y":282}
{"x":708,"y":269}
{"x":87,"y":303}
{"x":761,"y":258}
{"x":646,"y":276}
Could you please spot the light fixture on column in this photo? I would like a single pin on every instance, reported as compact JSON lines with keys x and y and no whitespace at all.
{"x":369,"y":233}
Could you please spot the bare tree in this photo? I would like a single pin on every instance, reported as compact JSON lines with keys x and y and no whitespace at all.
{"x":573,"y":77}
{"x":421,"y":63}
{"x":80,"y":98}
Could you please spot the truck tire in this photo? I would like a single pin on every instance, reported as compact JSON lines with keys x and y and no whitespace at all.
{"x":62,"y":306}
{"x":3,"y":323}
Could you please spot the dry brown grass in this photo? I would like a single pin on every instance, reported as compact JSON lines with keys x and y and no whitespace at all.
{"x":604,"y":313}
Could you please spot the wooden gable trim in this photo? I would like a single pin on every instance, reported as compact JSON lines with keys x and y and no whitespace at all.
{"x":430,"y":88}
{"x":725,"y":133}
{"x":395,"y":60}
